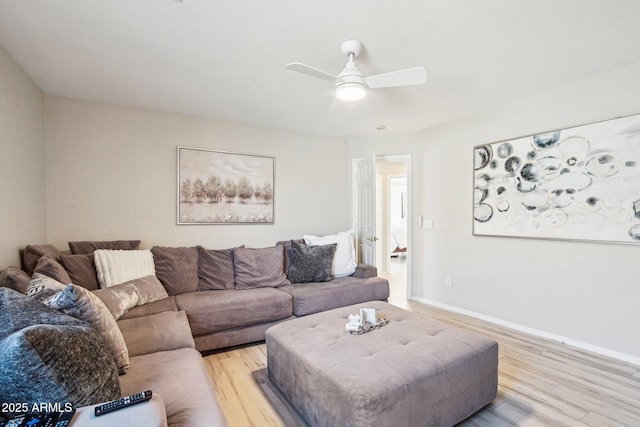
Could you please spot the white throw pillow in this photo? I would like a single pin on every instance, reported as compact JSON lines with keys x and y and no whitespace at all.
{"x":118,"y":266}
{"x":344,"y":260}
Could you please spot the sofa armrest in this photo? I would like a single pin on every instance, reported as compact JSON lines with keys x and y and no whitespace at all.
{"x":157,"y":332}
{"x":148,"y":414}
{"x":364,"y":271}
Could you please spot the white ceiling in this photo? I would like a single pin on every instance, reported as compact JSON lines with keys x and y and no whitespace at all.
{"x":226,"y":58}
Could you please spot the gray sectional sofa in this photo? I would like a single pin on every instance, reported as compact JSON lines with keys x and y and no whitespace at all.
{"x":215,"y":299}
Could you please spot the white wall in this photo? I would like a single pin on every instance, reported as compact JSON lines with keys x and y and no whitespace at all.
{"x":111,"y":174}
{"x":584,"y":291}
{"x":22,"y":151}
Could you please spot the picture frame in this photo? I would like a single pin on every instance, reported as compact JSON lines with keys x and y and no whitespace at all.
{"x":220,"y":187}
{"x":580,"y":183}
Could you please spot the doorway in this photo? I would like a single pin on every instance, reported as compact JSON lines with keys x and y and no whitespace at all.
{"x":393,"y":222}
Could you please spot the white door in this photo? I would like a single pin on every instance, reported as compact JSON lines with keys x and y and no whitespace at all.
{"x":365,"y":209}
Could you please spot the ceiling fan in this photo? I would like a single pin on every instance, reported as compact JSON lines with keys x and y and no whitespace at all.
{"x":351,"y":83}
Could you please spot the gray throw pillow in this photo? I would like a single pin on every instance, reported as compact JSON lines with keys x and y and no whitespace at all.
{"x":17,"y":311}
{"x":47,"y":356}
{"x":311,"y":263}
{"x":82,"y":304}
{"x":259,"y":268}
{"x":57,"y":363}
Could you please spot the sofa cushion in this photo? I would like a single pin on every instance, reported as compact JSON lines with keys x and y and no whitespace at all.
{"x":215,"y":269}
{"x":32,"y":253}
{"x":344,"y":261}
{"x":210,"y":311}
{"x":315,"y":297}
{"x":177,"y":268}
{"x":88,"y":247}
{"x":167,"y":304}
{"x":256,"y":268}
{"x":118,"y":266}
{"x":159,"y":332}
{"x":311,"y":263}
{"x":52,"y":268}
{"x":82,"y":304}
{"x":81,"y":269}
{"x":14,"y":278}
{"x":47,"y":356}
{"x":180,"y":377}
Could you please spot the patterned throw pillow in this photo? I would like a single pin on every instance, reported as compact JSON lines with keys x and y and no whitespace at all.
{"x":42,"y":287}
{"x":82,"y":304}
{"x":311,"y":263}
{"x":344,"y":261}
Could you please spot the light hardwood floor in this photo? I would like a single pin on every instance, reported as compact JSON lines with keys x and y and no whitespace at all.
{"x":541,"y":382}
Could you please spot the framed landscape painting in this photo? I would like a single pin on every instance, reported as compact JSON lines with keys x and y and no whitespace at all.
{"x":217,"y":187}
{"x":579,"y":183}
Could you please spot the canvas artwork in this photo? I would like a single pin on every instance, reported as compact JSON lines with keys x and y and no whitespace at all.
{"x":580,"y":183}
{"x":216,"y":187}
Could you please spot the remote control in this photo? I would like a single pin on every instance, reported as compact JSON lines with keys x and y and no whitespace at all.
{"x":123,"y":402}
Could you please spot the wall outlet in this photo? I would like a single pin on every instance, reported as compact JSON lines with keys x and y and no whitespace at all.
{"x":448,"y":282}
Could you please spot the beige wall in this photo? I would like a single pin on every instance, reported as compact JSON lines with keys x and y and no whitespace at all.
{"x":22,"y":151}
{"x":111,"y":174}
{"x":582,"y":291}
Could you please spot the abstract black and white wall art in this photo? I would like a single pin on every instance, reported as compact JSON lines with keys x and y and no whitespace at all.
{"x":579,"y":183}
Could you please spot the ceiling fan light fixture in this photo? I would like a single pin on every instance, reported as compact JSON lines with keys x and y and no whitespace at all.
{"x":351,"y":91}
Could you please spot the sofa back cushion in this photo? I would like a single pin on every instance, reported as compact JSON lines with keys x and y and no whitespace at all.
{"x":215,"y":269}
{"x":52,"y":268}
{"x":88,"y":247}
{"x":32,"y":253}
{"x":257,"y":268}
{"x":82,"y":270}
{"x":177,"y":268}
{"x":14,"y":278}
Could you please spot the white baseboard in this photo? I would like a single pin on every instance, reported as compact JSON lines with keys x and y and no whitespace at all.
{"x":537,"y":332}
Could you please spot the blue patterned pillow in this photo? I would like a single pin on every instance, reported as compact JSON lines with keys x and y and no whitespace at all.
{"x":311,"y":263}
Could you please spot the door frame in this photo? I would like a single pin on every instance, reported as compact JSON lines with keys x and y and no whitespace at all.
{"x":408,"y":159}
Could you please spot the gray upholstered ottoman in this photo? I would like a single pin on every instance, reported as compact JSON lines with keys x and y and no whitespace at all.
{"x":414,"y":371}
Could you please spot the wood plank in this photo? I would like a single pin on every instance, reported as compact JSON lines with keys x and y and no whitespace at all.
{"x":541,"y":382}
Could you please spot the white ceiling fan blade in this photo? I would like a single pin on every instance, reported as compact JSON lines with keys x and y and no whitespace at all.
{"x":310,"y":71}
{"x":408,"y":77}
